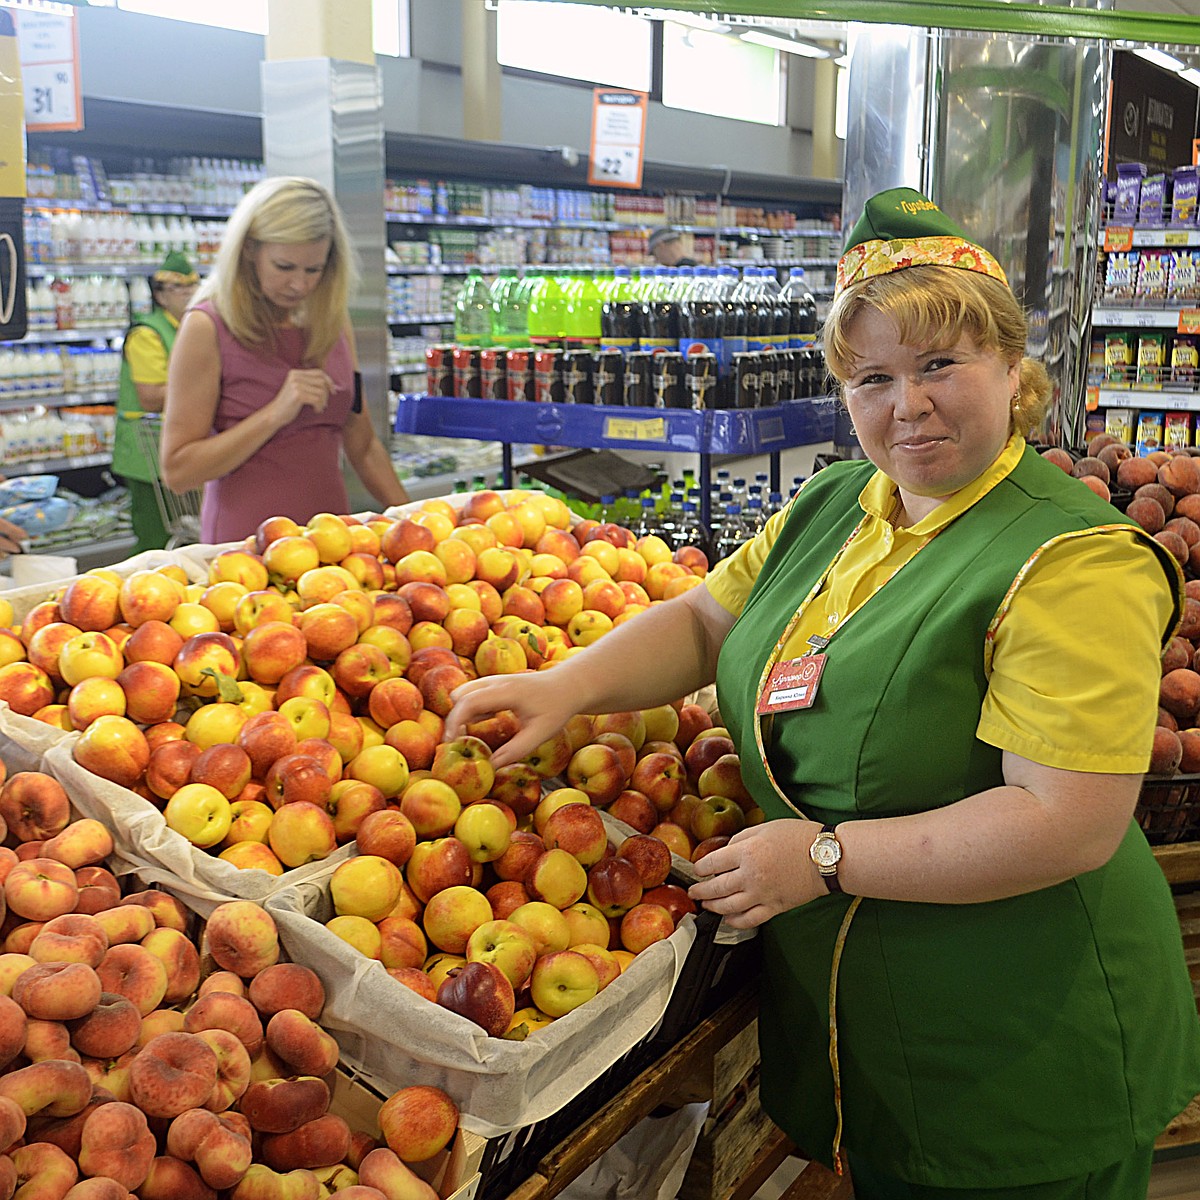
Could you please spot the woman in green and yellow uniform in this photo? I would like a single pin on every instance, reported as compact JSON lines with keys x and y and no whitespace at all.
{"x":143,"y":389}
{"x":941,"y":668}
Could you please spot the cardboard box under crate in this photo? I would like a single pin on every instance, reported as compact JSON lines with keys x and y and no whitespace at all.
{"x":453,"y":1174}
{"x":728,"y":1144}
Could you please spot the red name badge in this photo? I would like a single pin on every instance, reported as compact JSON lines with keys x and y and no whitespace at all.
{"x":792,"y":685}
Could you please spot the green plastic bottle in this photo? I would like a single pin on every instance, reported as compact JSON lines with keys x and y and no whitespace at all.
{"x":510,"y":310}
{"x":584,"y":306}
{"x":547,"y":310}
{"x":473,"y":311}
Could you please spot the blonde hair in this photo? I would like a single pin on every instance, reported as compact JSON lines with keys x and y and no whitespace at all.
{"x":938,"y":305}
{"x":286,"y":210}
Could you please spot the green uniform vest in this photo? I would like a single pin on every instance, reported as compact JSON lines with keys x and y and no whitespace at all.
{"x":129,"y":459}
{"x":997,"y":1044}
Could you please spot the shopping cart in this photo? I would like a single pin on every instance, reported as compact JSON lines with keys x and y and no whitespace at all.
{"x":180,"y":511}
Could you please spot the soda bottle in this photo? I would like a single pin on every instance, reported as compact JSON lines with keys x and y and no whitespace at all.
{"x":473,"y":311}
{"x":702,"y":319}
{"x":584,"y":305}
{"x":732,"y":534}
{"x":547,"y":310}
{"x":668,"y":521}
{"x":621,"y":315}
{"x":660,"y":316}
{"x":647,"y":522}
{"x":802,"y":309}
{"x":510,"y":310}
{"x":690,"y":531}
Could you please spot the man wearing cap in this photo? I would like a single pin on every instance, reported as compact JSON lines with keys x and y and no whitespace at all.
{"x":144,"y":388}
{"x":973,"y":980}
{"x":666,"y":245}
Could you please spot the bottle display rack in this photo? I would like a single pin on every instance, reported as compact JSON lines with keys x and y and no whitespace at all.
{"x":713,"y":432}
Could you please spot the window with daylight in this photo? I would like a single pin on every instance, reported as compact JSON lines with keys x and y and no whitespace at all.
{"x":576,"y":41}
{"x":391,"y":23}
{"x":751,"y":76}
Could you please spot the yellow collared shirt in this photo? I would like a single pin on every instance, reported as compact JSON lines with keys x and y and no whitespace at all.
{"x":1075,"y":661}
{"x":146,"y":353}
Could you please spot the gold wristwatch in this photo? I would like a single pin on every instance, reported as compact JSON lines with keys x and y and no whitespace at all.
{"x":826,"y":853}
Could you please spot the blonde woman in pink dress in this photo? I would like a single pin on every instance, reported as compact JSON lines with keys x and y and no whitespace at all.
{"x":261,"y":395}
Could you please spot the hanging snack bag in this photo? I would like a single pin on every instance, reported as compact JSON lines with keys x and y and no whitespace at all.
{"x":1185,"y":184}
{"x":1183,"y":277}
{"x":1120,"y":276}
{"x":1149,"y":433}
{"x":1151,"y":291}
{"x":1119,"y":422}
{"x":1095,"y":371}
{"x":1185,"y":359}
{"x":1118,"y":359}
{"x":1151,"y":359}
{"x":1129,"y":186}
{"x":1094,"y":423}
{"x":1177,"y":429}
{"x":1152,"y":200}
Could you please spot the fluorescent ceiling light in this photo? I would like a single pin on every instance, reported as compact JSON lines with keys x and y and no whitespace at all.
{"x":774,"y":42}
{"x":1167,"y":61}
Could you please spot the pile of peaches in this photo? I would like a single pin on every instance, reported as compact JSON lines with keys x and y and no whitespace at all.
{"x":304,"y":684}
{"x":128,"y":1070}
{"x":1166,"y":504}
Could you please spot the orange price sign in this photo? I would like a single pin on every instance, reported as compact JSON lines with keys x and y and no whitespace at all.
{"x":618,"y":137}
{"x":1092,"y":399}
{"x":1118,"y":237}
{"x":1189,"y":321}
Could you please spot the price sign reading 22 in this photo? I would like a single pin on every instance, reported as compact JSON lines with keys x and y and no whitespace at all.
{"x":618,"y":134}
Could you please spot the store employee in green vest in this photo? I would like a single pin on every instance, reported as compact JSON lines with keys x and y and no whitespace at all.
{"x":144,"y":388}
{"x":941,"y":670}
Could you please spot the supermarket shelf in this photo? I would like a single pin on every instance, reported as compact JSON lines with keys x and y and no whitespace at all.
{"x":435,"y":268}
{"x":1165,"y":237}
{"x":423,"y":319}
{"x":41,"y":270}
{"x":56,"y":400}
{"x":53,"y":466}
{"x":452,"y":219}
{"x":49,"y":336}
{"x":153,"y":210}
{"x":721,"y":431}
{"x":92,"y":554}
{"x":1137,"y":318}
{"x":1149,"y":398}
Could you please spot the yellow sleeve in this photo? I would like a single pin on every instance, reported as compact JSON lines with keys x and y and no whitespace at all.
{"x":730,"y":581}
{"x":147,"y":355}
{"x":1075,"y":666}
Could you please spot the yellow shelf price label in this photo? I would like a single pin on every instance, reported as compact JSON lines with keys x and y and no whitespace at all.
{"x":1178,"y":238}
{"x":1118,"y":237}
{"x":631,"y":429}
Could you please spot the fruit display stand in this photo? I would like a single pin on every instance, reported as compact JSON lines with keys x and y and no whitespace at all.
{"x":159,"y":855}
{"x":395,"y":1037}
{"x":714,"y":431}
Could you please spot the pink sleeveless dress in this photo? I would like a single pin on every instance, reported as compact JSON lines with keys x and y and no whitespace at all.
{"x":298,"y":472}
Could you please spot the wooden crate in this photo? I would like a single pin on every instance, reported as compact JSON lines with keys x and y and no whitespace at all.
{"x":714,"y":1078}
{"x":731,"y":1140}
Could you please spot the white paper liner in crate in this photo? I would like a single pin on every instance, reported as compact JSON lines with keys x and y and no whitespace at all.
{"x":157,"y":853}
{"x":395,"y":1037}
{"x":23,"y":741}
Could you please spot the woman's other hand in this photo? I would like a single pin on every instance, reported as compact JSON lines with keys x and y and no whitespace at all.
{"x":760,"y":872}
{"x":541,"y":706}
{"x":309,"y":388}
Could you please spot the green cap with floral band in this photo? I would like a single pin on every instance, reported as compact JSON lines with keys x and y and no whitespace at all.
{"x":901,"y":228}
{"x":176,"y":269}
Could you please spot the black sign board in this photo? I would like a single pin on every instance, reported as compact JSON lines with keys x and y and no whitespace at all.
{"x":1153,"y":116}
{"x":12,"y":269}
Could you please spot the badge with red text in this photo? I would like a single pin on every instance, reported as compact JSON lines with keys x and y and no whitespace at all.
{"x":792,"y":685}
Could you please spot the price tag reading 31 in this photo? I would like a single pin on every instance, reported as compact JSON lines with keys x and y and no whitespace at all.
{"x":618,"y":134}
{"x":49,"y":42}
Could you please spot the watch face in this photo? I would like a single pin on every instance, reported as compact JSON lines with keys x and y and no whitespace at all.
{"x":826,"y":852}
